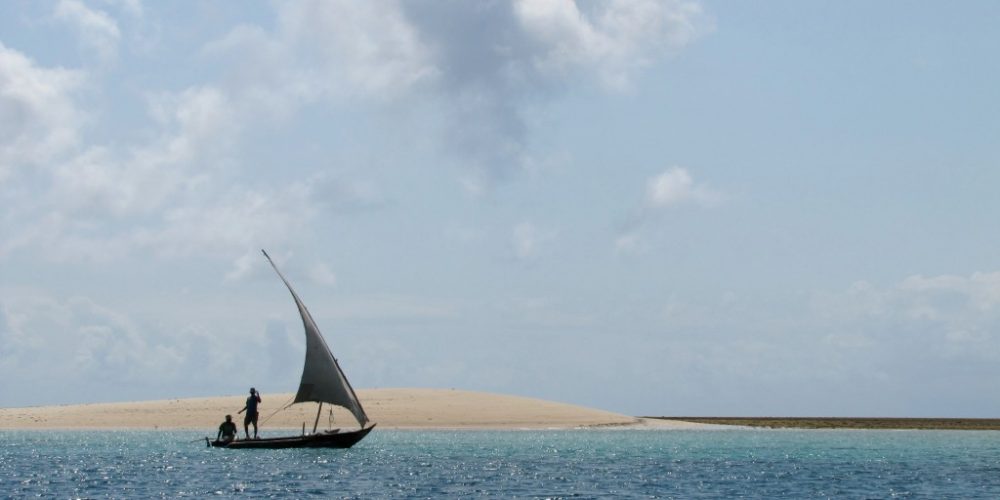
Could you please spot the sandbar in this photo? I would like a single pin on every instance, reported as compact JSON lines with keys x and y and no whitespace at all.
{"x":396,"y":408}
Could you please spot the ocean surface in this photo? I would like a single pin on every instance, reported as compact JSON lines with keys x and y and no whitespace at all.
{"x":532,"y":464}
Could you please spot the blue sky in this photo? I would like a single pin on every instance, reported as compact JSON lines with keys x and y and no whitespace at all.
{"x":700,"y":208}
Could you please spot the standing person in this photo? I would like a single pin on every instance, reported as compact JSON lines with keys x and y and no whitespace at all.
{"x":227,"y":431}
{"x":251,"y":409}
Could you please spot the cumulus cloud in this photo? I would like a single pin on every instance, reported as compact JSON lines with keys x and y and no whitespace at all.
{"x":672,"y":188}
{"x":327,"y":50}
{"x":480,"y":64}
{"x":379,"y":62}
{"x":175,"y":187}
{"x":175,"y":194}
{"x":676,"y":186}
{"x":493,"y":59}
{"x":105,"y":201}
{"x":38,"y":116}
{"x":196,"y":121}
{"x":614,"y":40}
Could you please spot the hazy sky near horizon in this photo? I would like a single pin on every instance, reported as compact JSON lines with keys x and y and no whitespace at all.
{"x":651,"y":207}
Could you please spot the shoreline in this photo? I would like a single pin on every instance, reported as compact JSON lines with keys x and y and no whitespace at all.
{"x":425,"y":409}
{"x":670,"y":425}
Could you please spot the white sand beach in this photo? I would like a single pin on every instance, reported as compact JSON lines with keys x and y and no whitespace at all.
{"x":389,"y":408}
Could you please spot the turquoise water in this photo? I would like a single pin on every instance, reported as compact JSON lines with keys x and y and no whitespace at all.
{"x":583,"y":464}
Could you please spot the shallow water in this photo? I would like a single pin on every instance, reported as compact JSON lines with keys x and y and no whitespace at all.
{"x":419,"y":464}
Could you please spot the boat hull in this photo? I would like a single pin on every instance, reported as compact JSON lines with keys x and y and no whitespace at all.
{"x":321,"y":440}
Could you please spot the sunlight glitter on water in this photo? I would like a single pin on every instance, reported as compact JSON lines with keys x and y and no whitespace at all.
{"x":393,"y":464}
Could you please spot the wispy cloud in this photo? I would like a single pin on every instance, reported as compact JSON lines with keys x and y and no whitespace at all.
{"x":942,"y":308}
{"x":97,"y":30}
{"x":528,"y":240}
{"x":92,"y":347}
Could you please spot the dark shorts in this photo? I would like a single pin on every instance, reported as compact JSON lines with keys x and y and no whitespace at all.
{"x":250,"y":418}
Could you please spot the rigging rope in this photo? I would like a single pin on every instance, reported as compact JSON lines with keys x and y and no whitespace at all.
{"x":285,"y":407}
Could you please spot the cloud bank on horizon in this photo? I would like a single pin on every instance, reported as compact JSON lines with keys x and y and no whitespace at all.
{"x":646,"y":206}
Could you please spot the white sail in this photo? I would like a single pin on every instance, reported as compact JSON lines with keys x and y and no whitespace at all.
{"x":322,"y":379}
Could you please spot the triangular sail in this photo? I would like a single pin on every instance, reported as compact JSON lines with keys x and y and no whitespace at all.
{"x":322,"y":378}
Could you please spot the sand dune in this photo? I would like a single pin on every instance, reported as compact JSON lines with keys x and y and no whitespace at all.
{"x":390,"y":408}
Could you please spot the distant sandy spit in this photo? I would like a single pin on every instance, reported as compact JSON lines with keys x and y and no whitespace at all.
{"x":389,"y":408}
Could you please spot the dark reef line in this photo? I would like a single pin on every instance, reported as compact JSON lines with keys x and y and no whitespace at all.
{"x":977,"y":424}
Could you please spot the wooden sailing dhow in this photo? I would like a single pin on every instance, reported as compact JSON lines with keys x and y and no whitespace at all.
{"x":322,"y":382}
